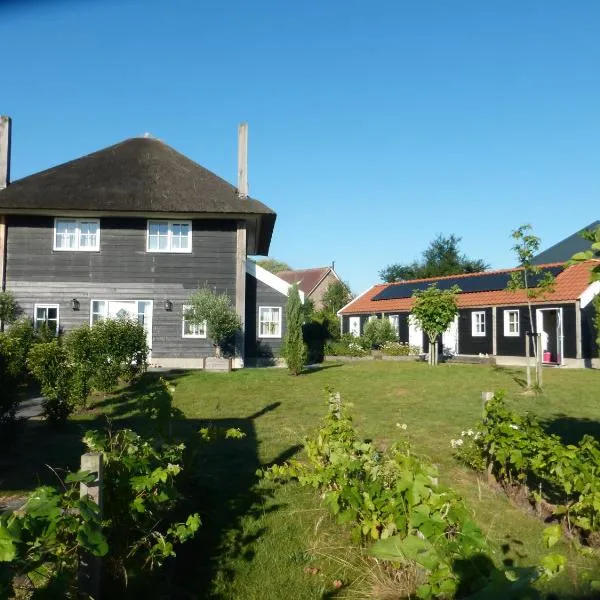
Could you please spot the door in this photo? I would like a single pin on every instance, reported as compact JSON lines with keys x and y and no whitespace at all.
{"x":354,"y":326}
{"x":450,"y":338}
{"x":415,"y":335}
{"x":122,"y":310}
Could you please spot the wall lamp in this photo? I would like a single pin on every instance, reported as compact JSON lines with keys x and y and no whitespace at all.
{"x":168,"y":305}
{"x":75,"y":304}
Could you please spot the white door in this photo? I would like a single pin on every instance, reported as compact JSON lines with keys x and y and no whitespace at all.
{"x":122,"y":310}
{"x":415,"y":334}
{"x":450,"y":338}
{"x":354,"y":326}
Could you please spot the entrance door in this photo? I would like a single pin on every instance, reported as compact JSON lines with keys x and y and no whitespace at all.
{"x":450,"y":338}
{"x":549,"y":325}
{"x":122,"y":310}
{"x":354,"y":326}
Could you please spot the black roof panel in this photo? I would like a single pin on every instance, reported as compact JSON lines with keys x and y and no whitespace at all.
{"x":485,"y":282}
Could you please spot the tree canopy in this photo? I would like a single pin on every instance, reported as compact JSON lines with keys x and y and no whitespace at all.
{"x":336,"y":296}
{"x":441,"y":257}
{"x":273,"y":265}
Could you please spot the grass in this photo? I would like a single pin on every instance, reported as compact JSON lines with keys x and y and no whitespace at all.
{"x":257,"y":540}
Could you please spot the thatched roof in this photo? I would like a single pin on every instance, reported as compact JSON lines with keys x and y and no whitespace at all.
{"x":139,"y":175}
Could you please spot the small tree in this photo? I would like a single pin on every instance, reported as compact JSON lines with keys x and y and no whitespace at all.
{"x":215,"y":310}
{"x":294,"y":348}
{"x":434,"y":310}
{"x":379,"y":331}
{"x":531,"y":279}
{"x":336,"y":296}
{"x":9,"y":309}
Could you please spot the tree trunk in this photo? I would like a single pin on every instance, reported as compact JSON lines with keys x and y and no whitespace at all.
{"x":218,"y":352}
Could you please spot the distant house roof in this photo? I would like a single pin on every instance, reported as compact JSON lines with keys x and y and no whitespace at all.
{"x":138,"y":175}
{"x":563,"y":250}
{"x":307,"y":279}
{"x":570,"y":283}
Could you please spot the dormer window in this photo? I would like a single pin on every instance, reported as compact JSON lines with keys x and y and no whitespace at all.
{"x":77,"y":235}
{"x":169,"y":236}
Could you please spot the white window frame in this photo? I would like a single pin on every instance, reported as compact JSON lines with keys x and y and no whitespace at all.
{"x":394,"y":322}
{"x":478,"y":327}
{"x":44,"y":305}
{"x":169,"y":247}
{"x":277,"y":334}
{"x":196,"y":335}
{"x":77,"y":248}
{"x":507,"y":323}
{"x":106,"y":301}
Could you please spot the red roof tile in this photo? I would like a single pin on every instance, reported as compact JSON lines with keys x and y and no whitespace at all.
{"x":568,"y":286}
{"x":307,"y":279}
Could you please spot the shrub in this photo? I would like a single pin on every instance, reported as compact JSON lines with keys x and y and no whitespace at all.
{"x":50,"y":366}
{"x":9,"y":309}
{"x":348,"y":345}
{"x":109,"y":351}
{"x":215,"y":310}
{"x":14,"y":347}
{"x":379,"y":331}
{"x":399,"y":349}
{"x":294,"y":349}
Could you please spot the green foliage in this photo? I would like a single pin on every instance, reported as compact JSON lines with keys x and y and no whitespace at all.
{"x":377,"y":332}
{"x":50,"y":365}
{"x":442,"y":257}
{"x":348,"y":345}
{"x":14,"y":347}
{"x":336,"y":296}
{"x":109,"y":351}
{"x":273,"y":265}
{"x":517,"y":450}
{"x":392,"y":501}
{"x":139,"y":495}
{"x":41,"y":543}
{"x":434,"y":310}
{"x":593,"y":253}
{"x":294,"y":349}
{"x":9,"y":309}
{"x":399,"y":349}
{"x":222,"y":322}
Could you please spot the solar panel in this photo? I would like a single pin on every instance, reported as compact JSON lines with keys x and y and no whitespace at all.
{"x":486,"y":282}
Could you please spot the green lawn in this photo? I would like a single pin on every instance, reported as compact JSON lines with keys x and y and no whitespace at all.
{"x":257,"y":541}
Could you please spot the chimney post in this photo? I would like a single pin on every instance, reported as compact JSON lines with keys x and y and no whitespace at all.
{"x":243,"y":160}
{"x":5,"y":124}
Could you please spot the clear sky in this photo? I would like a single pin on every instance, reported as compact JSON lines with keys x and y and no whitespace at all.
{"x":373,"y":126}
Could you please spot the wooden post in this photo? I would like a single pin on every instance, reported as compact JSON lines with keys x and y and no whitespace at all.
{"x":5,"y":124}
{"x":494,"y":332}
{"x":540,"y":355}
{"x":528,"y":358}
{"x":89,"y":565}
{"x":240,"y":285}
{"x":2,"y":253}
{"x":243,"y":160}
{"x":578,"y":345}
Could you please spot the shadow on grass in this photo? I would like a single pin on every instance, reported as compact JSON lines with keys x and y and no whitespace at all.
{"x":571,"y":429}
{"x":320,"y":367}
{"x":219,"y":482}
{"x":514,"y":373}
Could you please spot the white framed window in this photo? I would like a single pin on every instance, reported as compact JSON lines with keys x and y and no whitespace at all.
{"x":98,"y":311}
{"x":48,"y":314}
{"x":395,"y":323}
{"x":354,"y":326}
{"x":511,"y":323}
{"x":77,"y":235}
{"x":169,"y":236}
{"x":269,"y":321}
{"x":191,"y":330}
{"x":478,"y":323}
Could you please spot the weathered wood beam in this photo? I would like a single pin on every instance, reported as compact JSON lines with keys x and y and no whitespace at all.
{"x":5,"y":124}
{"x":240,"y":282}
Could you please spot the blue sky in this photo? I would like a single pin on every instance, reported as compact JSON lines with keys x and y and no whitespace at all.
{"x":373,"y":126}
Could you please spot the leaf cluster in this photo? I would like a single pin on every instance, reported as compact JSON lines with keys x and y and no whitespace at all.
{"x":442,"y":257}
{"x":516,"y":449}
{"x":294,"y":349}
{"x":377,"y":332}
{"x":434,"y":309}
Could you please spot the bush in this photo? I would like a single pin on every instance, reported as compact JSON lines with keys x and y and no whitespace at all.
{"x":379,"y":331}
{"x":294,"y":349}
{"x":399,"y":349}
{"x":109,"y":351}
{"x":49,"y":364}
{"x":9,"y":309}
{"x":14,"y":347}
{"x":348,"y":345}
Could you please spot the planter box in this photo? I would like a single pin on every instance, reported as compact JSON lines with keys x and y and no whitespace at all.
{"x":217,"y":365}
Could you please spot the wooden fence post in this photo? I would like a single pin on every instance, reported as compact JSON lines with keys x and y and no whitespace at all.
{"x":540,"y":356}
{"x":89,"y":565}
{"x":528,"y":359}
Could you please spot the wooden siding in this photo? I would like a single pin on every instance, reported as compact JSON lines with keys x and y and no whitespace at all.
{"x":121,"y":270}
{"x":468,"y":343}
{"x":588,"y":332}
{"x":260,"y":294}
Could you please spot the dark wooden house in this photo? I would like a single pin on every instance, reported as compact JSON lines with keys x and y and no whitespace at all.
{"x":492,"y":320}
{"x":132,"y":230}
